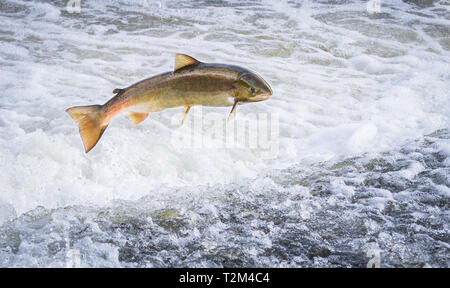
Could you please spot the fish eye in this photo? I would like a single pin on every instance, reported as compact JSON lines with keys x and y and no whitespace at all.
{"x":252,"y":90}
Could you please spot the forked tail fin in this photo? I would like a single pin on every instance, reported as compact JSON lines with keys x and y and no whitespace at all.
{"x":90,"y":123}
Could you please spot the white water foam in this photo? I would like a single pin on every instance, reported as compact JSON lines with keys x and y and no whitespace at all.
{"x":346,"y":83}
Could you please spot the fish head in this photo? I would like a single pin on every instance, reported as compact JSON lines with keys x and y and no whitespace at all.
{"x":252,"y":88}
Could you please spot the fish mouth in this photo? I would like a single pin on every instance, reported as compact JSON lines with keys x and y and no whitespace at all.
{"x":262,"y":97}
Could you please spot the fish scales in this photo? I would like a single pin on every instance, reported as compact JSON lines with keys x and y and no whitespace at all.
{"x":192,"y":83}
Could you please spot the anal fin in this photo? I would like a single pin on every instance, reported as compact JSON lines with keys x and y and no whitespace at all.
{"x":137,"y":117}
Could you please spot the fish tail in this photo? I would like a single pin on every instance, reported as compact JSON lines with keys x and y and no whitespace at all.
{"x":91,"y":124}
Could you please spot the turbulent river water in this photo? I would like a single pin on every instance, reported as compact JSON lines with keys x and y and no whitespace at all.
{"x":355,"y":167}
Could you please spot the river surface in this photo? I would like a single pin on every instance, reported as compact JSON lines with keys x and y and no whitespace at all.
{"x":352,"y":160}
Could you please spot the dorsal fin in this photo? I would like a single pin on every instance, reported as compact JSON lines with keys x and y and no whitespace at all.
{"x":182,"y":60}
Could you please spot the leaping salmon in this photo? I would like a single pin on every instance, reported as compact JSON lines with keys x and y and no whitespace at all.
{"x":191,"y":83}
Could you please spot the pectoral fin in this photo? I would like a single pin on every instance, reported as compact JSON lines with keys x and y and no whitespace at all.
{"x":138,"y":117}
{"x":233,"y":111}
{"x":186,"y":111}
